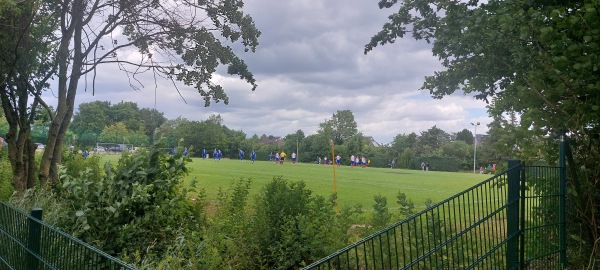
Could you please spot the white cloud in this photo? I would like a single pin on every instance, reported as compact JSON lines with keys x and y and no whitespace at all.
{"x":309,"y":64}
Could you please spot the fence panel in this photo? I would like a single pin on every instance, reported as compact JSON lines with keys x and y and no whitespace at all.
{"x":509,"y":221}
{"x":466,"y":231}
{"x":57,"y":250}
{"x":541,"y":223}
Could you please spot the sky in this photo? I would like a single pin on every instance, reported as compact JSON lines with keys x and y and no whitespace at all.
{"x":310,"y":64}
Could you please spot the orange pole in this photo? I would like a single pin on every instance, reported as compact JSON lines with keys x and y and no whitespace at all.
{"x":334,"y":176}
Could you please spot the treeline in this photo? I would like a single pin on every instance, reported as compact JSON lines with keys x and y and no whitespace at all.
{"x":124,"y":122}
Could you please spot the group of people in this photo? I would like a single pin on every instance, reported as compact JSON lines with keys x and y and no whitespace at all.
{"x":358,"y":161}
{"x":354,"y":161}
{"x":489,"y":169}
{"x":216,"y":154}
{"x":280,"y":157}
{"x":252,"y":155}
{"x":424,"y":166}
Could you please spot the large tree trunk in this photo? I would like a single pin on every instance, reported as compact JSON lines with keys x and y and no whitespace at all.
{"x":68,"y":78}
{"x":21,"y":150}
{"x":15,"y":67}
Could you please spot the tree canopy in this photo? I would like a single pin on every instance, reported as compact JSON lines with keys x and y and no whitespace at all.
{"x":341,"y":126}
{"x":537,"y":59}
{"x":182,"y":41}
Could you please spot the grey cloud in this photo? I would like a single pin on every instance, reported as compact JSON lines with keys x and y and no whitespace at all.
{"x":309,"y":64}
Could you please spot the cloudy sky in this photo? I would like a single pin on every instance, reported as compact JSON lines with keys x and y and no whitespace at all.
{"x":309,"y":64}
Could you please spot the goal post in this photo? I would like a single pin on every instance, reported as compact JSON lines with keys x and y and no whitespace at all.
{"x":112,"y":147}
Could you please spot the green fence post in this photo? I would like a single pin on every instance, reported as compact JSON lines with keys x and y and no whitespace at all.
{"x":33,"y":238}
{"x":562,"y":229}
{"x":512,"y":214}
{"x":522,"y":218}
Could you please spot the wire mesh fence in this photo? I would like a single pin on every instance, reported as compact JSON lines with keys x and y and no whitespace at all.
{"x":509,"y":221}
{"x":28,"y":243}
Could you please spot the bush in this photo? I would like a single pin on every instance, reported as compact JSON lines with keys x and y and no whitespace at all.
{"x":447,"y":164}
{"x":137,"y":207}
{"x":6,"y":188}
{"x":75,"y":164}
{"x":293,"y":228}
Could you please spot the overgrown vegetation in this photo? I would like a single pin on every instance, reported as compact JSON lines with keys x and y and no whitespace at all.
{"x":536,"y":64}
{"x":6,"y":187}
{"x":138,"y":210}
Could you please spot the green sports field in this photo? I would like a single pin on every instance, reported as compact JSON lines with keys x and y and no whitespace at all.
{"x":354,"y":185}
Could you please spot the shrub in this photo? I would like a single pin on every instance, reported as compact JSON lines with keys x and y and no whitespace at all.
{"x":75,"y":164}
{"x":137,"y":207}
{"x":381,"y":215}
{"x":6,"y":188}
{"x":293,"y":228}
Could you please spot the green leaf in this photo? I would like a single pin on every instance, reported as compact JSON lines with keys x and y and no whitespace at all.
{"x":79,"y":213}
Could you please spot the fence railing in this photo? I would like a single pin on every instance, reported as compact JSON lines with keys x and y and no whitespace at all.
{"x":28,"y":243}
{"x":510,"y":221}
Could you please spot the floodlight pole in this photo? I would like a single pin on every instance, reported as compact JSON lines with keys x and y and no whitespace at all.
{"x":475,"y":147}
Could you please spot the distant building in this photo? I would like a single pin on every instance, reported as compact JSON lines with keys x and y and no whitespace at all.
{"x":266,"y":140}
{"x":371,"y":141}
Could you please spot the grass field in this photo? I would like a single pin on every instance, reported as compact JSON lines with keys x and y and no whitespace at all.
{"x":354,"y":185}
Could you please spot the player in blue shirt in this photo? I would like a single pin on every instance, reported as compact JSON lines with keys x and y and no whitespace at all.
{"x":253,"y":156}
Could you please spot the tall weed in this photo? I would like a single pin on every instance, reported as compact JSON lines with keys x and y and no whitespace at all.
{"x":6,"y":188}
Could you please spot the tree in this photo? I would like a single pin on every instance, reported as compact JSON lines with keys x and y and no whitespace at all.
{"x":314,"y":146}
{"x":465,"y":135}
{"x":69,"y":39}
{"x":433,"y":138}
{"x":116,"y":133}
{"x":537,"y":59}
{"x":91,"y":117}
{"x":152,"y":120}
{"x":356,"y":144}
{"x":126,"y":112}
{"x":168,"y":133}
{"x":26,"y":31}
{"x":341,"y":126}
{"x":293,"y":140}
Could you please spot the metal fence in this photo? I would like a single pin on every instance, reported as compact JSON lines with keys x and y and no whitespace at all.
{"x":514,"y":220}
{"x":28,"y":243}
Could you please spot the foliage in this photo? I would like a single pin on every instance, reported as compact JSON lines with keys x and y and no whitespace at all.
{"x":291,"y":139}
{"x":340,"y":127}
{"x":92,"y":117}
{"x":128,"y":113}
{"x":24,"y":35}
{"x":3,"y":126}
{"x":466,"y":136}
{"x":314,"y":146}
{"x":116,"y":133}
{"x":138,"y":206}
{"x":74,"y":164}
{"x":381,"y":214}
{"x":6,"y":188}
{"x":406,"y":205}
{"x":68,"y":40}
{"x":292,"y":227}
{"x":152,"y":119}
{"x":535,"y":59}
{"x":431,"y":140}
{"x":236,"y":236}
